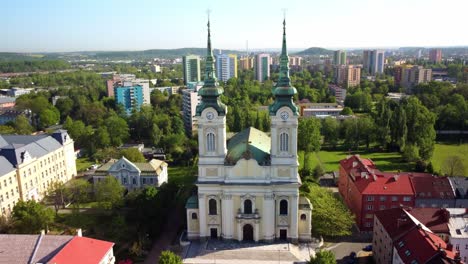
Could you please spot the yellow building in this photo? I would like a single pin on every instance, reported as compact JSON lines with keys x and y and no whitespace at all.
{"x":248,"y":186}
{"x":30,"y":164}
{"x":246,"y":63}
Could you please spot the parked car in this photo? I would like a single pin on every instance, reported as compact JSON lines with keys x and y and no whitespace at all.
{"x":367,"y":248}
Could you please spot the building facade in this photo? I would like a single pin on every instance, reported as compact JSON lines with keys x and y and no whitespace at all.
{"x":226,"y":66}
{"x":339,"y":57}
{"x":131,"y":175}
{"x":338,"y":92}
{"x":246,"y":63}
{"x":373,"y":61}
{"x":262,"y":67}
{"x":408,"y":76}
{"x":347,"y":75}
{"x":30,"y":164}
{"x":435,"y":55}
{"x":190,"y":100}
{"x":191,"y":67}
{"x":130,"y":97}
{"x":248,"y":187}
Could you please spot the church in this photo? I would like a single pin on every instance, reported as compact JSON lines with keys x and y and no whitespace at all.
{"x":248,"y":186}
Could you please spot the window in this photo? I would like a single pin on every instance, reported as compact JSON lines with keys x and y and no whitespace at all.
{"x":124,"y":180}
{"x":151,"y":180}
{"x":370,"y":198}
{"x":414,"y":262}
{"x":10,"y":180}
{"x":284,"y":142}
{"x":401,"y":244}
{"x":134,"y":181}
{"x":368,"y":224}
{"x":383,"y":198}
{"x":382,"y":207}
{"x":210,"y":142}
{"x":212,"y":207}
{"x":408,"y":253}
{"x":370,"y":207}
{"x":394,"y":198}
{"x":457,"y":246}
{"x":194,"y":216}
{"x":407,"y":199}
{"x":1,"y":198}
{"x":466,"y":246}
{"x":283,"y":207}
{"x":247,"y":207}
{"x":369,"y":215}
{"x":303,"y":217}
{"x":143,"y":181}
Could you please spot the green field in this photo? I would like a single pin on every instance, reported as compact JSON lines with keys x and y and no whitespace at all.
{"x":82,"y":164}
{"x":182,"y":175}
{"x":385,"y":161}
{"x":442,"y":151}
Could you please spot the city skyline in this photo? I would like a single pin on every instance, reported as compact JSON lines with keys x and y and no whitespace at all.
{"x":60,"y":26}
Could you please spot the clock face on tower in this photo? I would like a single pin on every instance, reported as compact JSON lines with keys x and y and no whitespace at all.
{"x":209,"y":115}
{"x":284,"y":115}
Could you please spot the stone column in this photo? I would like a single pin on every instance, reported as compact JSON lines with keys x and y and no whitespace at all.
{"x":257,"y":230}
{"x":294,"y":212}
{"x":239,"y":230}
{"x":228,"y":219}
{"x":202,"y":215}
{"x":268,"y":217}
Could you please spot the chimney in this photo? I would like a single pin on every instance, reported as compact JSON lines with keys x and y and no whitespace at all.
{"x":396,"y":177}
{"x":79,"y":232}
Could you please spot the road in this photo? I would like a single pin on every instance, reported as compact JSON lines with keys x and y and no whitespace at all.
{"x":167,"y":236}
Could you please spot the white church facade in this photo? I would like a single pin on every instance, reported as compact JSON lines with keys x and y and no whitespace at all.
{"x":248,"y":186}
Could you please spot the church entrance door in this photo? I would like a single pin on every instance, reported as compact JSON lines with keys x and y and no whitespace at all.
{"x":213,"y":233}
{"x":248,"y":233}
{"x":283,"y":234}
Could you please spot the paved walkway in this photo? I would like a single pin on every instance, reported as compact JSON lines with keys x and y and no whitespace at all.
{"x":256,"y":253}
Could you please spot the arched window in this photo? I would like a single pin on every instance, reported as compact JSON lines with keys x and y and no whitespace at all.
{"x":284,"y":142}
{"x":212,"y":207}
{"x":303,"y":217}
{"x":283,"y":207}
{"x":247,"y":207}
{"x":194,"y":216}
{"x":210,"y":142}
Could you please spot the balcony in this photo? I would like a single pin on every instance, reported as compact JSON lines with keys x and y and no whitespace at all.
{"x":255,"y":215}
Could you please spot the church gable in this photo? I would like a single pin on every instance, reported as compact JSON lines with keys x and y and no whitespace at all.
{"x":247,"y":169}
{"x":124,"y":164}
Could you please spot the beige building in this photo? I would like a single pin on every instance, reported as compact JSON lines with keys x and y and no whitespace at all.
{"x":246,"y":63}
{"x":30,"y":164}
{"x":412,"y":76}
{"x":134,"y":175}
{"x":248,"y":186}
{"x":347,"y":75}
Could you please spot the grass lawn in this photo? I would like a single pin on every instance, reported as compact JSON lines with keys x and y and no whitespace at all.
{"x":444,"y":150}
{"x":82,"y":164}
{"x":385,"y":161}
{"x":182,"y":175}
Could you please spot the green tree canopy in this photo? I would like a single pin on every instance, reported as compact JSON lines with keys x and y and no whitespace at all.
{"x":30,"y":217}
{"x":169,"y":257}
{"x":22,"y":126}
{"x":109,"y":193}
{"x":133,"y":155}
{"x":309,"y":134}
{"x":323,"y":257}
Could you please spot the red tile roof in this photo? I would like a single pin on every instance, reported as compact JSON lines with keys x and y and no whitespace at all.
{"x":82,"y":250}
{"x":422,"y":246}
{"x":395,"y":221}
{"x":382,"y":185}
{"x":436,"y":219}
{"x":432,"y":187}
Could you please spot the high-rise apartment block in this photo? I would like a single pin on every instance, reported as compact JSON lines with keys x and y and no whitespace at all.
{"x":190,"y":100}
{"x":130,"y":97}
{"x":435,"y":55}
{"x":191,"y":65}
{"x":226,"y":66}
{"x":119,"y":80}
{"x":262,"y":67}
{"x":339,"y":57}
{"x":373,"y":61}
{"x":408,"y":76}
{"x":347,"y":75}
{"x":246,"y":63}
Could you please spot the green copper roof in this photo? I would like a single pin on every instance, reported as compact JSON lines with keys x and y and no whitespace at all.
{"x":249,"y":143}
{"x":211,"y":90}
{"x":192,"y":202}
{"x":283,"y":90}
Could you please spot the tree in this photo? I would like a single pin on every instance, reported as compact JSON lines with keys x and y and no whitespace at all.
{"x":118,"y":130}
{"x":420,"y":123}
{"x":411,"y":153}
{"x":453,"y":166}
{"x":323,"y":257}
{"x":346,"y":111}
{"x":6,"y":129}
{"x":168,"y":257}
{"x":49,"y":117}
{"x":30,"y":217}
{"x":330,"y":131}
{"x":58,"y":192}
{"x":22,"y":126}
{"x":318,"y":171}
{"x":331,"y":217}
{"x":109,"y":193}
{"x":133,"y":155}
{"x":309,"y":134}
{"x":78,"y":191}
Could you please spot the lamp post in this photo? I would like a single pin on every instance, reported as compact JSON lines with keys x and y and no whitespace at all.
{"x":214,"y":255}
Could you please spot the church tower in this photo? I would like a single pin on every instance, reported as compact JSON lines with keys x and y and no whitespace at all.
{"x":211,"y":116}
{"x":284,"y":118}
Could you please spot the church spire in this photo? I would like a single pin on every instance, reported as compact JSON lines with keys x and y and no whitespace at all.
{"x":283,"y":90}
{"x":211,"y":90}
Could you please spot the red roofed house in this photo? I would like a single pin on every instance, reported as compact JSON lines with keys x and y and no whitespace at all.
{"x":367,"y":190}
{"x":433,"y":191}
{"x":85,"y":250}
{"x":392,"y":224}
{"x":420,"y":245}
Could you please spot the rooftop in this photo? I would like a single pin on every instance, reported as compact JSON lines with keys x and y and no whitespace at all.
{"x":249,"y":143}
{"x":82,"y":250}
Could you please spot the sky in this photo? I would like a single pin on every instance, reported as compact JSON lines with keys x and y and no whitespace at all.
{"x":97,"y":25}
